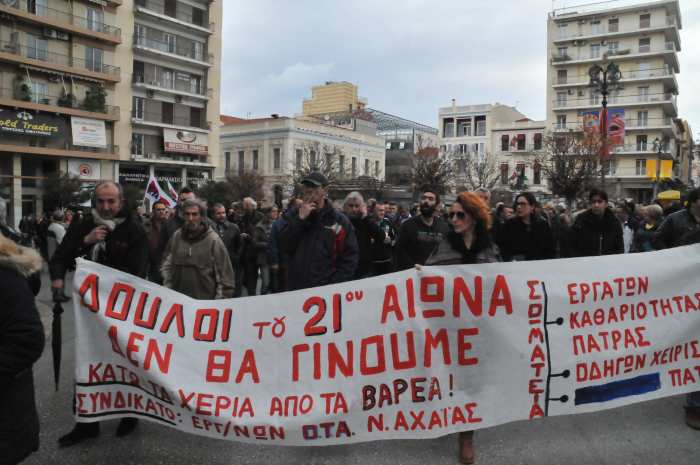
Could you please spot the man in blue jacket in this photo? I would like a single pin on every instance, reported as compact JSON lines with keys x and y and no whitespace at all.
{"x":319,"y":240}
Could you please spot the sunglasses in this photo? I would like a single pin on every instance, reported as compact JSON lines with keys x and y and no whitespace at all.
{"x":459,"y":215}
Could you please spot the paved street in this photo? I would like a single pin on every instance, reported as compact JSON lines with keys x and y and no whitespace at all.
{"x":647,"y":433}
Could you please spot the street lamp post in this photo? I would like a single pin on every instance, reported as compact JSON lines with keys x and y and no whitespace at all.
{"x":658,"y":146}
{"x":604,"y":80}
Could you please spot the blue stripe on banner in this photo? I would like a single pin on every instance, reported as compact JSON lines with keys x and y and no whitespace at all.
{"x":617,"y":389}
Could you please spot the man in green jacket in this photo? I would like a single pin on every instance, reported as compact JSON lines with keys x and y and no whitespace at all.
{"x":196,"y":261}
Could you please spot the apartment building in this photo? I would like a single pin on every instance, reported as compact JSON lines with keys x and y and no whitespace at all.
{"x":644,"y":41}
{"x":109,"y":89}
{"x":518,"y":148}
{"x":333,"y":97}
{"x":277,"y":147}
{"x":174,"y":92}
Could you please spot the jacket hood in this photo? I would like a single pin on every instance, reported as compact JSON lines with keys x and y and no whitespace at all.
{"x":22,"y":260}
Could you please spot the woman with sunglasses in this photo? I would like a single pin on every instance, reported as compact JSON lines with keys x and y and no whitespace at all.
{"x":527,"y":236}
{"x":468,"y":242}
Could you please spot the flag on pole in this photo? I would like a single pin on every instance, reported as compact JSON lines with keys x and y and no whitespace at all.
{"x":171,"y":191}
{"x":155,"y":193}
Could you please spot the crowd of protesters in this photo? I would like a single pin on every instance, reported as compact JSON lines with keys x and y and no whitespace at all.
{"x":214,"y":251}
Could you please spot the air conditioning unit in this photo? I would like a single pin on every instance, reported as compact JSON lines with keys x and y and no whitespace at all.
{"x":154,"y":82}
{"x":50,"y":33}
{"x":60,"y":35}
{"x":150,"y":93}
{"x":604,"y":43}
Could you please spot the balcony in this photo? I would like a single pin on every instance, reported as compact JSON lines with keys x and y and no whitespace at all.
{"x":139,"y":81}
{"x":585,"y":56}
{"x":670,"y":25}
{"x":111,"y":152}
{"x":170,"y":50}
{"x":56,"y":104}
{"x":528,"y":148}
{"x":644,"y":149}
{"x":669,"y":102}
{"x":157,"y":119}
{"x":41,"y":58}
{"x":665,"y":125}
{"x":174,"y":159}
{"x":663,"y":74}
{"x":65,"y":21}
{"x":157,"y":9}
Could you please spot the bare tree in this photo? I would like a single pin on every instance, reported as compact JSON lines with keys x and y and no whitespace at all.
{"x":477,"y":170}
{"x":323,"y":158}
{"x":432,"y":169}
{"x":570,"y":162}
{"x":249,"y":183}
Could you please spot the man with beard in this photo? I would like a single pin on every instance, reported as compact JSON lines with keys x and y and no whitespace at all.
{"x":108,"y":235}
{"x":420,"y":234}
{"x":366,"y":231}
{"x":196,"y":261}
{"x":177,"y":219}
{"x":319,"y":241}
{"x":249,"y":252}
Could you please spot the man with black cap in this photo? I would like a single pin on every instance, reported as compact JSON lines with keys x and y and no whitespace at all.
{"x":319,"y":240}
{"x":420,"y":234}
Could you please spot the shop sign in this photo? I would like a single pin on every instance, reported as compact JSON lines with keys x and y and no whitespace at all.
{"x":88,"y":132}
{"x":85,"y":169}
{"x":31,"y":124}
{"x":185,"y":142}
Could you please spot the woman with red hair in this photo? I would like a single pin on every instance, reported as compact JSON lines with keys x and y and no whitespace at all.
{"x":468,"y":242}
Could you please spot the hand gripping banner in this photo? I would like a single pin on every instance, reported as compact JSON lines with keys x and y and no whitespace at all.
{"x":414,"y":354}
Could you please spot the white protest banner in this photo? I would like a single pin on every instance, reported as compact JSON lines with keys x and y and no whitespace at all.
{"x":414,"y":354}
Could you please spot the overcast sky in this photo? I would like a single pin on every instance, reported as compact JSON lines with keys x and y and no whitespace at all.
{"x":408,"y":57}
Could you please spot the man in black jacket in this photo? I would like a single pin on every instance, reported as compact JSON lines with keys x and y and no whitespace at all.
{"x":108,"y":235}
{"x":249,"y":252}
{"x":678,"y":229}
{"x":228,"y":232}
{"x":319,"y":240}
{"x":597,"y":231}
{"x":366,"y":231}
{"x":421,"y":234}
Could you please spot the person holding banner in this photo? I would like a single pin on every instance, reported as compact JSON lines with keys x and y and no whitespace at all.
{"x":319,"y":240}
{"x":111,"y":236}
{"x":196,"y":262}
{"x":678,"y":229}
{"x":467,"y":242}
{"x":597,"y":231}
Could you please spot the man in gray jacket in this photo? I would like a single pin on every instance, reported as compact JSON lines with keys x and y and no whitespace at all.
{"x":196,"y":261}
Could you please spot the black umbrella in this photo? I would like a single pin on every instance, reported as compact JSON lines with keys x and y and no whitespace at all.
{"x":56,"y":341}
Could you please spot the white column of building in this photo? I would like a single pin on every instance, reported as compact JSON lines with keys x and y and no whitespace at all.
{"x":16,"y":208}
{"x":183,"y":175}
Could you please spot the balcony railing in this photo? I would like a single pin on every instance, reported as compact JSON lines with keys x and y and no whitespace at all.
{"x":584,"y":79}
{"x":616,"y":100}
{"x":141,"y":79}
{"x":38,"y":53}
{"x":55,"y":100}
{"x":630,"y":123}
{"x":560,"y":58}
{"x":641,"y":148}
{"x":171,"y":48}
{"x":526,"y":148}
{"x":155,"y":117}
{"x":669,"y":21}
{"x":69,"y":18}
{"x":159,"y":8}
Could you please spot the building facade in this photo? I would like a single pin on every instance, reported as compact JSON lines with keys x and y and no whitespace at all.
{"x":644,"y":41}
{"x":333,"y":97}
{"x":110,"y":89}
{"x":519,"y":147}
{"x":278,"y":147}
